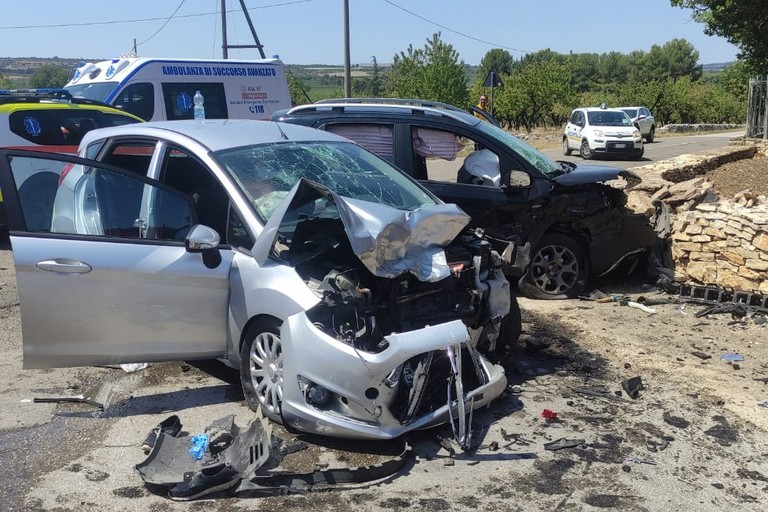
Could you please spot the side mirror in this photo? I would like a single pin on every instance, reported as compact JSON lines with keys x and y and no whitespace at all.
{"x":519,"y":179}
{"x":204,"y":240}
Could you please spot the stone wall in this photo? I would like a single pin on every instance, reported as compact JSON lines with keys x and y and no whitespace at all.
{"x":724,"y":244}
{"x":713,"y":241}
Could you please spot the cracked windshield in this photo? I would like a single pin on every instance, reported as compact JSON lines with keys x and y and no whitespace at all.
{"x":267,"y":172}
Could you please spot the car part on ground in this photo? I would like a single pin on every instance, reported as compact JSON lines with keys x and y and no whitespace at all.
{"x":246,"y":461}
{"x":533,"y":196}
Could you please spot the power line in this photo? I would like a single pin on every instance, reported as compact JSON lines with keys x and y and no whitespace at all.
{"x":456,"y":31}
{"x":164,"y":24}
{"x":141,"y":20}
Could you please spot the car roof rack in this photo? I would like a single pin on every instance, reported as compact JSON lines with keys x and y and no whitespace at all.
{"x":417,"y":106}
{"x":393,"y":101}
{"x":45,"y":94}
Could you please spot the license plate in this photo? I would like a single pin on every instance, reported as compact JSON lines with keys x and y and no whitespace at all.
{"x":620,"y":146}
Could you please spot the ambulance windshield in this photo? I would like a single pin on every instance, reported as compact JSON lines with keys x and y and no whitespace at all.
{"x":98,"y":92}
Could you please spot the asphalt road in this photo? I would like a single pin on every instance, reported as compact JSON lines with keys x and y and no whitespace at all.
{"x":661,"y":148}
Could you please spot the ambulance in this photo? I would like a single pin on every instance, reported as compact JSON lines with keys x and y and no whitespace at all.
{"x":157,"y":89}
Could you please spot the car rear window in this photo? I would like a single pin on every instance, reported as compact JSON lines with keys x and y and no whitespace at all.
{"x":65,"y":127}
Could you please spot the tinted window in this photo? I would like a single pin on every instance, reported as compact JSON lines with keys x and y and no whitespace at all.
{"x":138,"y":99}
{"x":49,"y":127}
{"x":178,"y":100}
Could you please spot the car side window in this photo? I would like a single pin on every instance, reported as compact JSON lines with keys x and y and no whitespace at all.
{"x":188,"y":175}
{"x":441,"y":155}
{"x":95,"y":201}
{"x":178,"y":100}
{"x":134,"y":156}
{"x":376,"y":138}
{"x":138,"y":99}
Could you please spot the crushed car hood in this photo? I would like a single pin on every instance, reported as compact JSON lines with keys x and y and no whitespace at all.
{"x":388,"y":241}
{"x":590,"y":173}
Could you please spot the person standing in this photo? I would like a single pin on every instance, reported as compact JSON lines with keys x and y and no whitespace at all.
{"x":482,"y":104}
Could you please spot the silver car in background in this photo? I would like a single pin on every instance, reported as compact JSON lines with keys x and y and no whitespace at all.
{"x":643,"y":119}
{"x":352,"y":301}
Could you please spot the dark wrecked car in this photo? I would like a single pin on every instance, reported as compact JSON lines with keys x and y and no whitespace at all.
{"x":566,"y":223}
{"x":353,"y":302}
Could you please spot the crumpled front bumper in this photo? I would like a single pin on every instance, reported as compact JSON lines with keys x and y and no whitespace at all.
{"x":364,"y":395}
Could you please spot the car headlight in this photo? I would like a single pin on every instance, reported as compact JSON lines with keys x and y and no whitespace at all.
{"x":636,"y":134}
{"x":598,"y":133}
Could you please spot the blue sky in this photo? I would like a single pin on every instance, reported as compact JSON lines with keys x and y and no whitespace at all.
{"x":311,"y":31}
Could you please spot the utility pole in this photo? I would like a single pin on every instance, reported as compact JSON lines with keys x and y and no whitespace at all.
{"x":225,"y":46}
{"x":347,"y":72}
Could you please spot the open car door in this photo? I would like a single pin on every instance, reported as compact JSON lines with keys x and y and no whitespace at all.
{"x":103,"y":273}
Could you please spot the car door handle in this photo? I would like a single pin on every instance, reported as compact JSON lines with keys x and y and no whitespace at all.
{"x":64,"y":265}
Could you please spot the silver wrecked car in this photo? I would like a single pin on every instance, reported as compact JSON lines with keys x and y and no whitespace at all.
{"x":353,"y":302}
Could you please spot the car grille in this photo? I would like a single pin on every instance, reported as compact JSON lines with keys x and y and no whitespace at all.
{"x":620,"y":147}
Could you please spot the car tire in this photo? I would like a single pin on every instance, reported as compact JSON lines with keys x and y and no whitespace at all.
{"x":558,"y":269}
{"x":651,"y":134}
{"x":639,"y":155}
{"x":261,"y":369}
{"x":585,"y":151}
{"x":566,"y":148}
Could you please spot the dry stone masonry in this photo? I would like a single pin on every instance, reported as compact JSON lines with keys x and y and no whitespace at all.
{"x":713,"y":241}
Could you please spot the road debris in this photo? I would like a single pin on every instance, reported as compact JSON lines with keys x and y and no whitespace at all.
{"x":561,"y":443}
{"x":79,"y":399}
{"x":632,"y":386}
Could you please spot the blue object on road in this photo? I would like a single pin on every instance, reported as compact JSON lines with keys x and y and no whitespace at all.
{"x":199,"y":444}
{"x":732,"y":358}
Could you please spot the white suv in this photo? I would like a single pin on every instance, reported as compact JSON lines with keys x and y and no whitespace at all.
{"x":599,"y":130}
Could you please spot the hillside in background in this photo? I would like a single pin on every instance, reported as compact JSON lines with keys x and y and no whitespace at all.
{"x":320,"y":77}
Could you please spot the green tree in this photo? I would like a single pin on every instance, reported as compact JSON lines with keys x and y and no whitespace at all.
{"x":734,"y":79}
{"x":541,"y":93}
{"x":376,"y":85}
{"x":502,"y":60}
{"x":742,"y":22}
{"x":677,"y":58}
{"x":5,"y":82}
{"x":50,"y":75}
{"x":298,"y":89}
{"x":432,"y":73}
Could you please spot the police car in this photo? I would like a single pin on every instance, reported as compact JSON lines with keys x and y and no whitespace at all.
{"x":602,"y":131}
{"x":49,"y":120}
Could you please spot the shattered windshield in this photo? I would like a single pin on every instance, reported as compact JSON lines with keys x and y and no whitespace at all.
{"x":267,"y":172}
{"x":539,"y":160}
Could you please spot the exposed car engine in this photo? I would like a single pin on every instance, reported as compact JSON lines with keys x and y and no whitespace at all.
{"x":359,"y":308}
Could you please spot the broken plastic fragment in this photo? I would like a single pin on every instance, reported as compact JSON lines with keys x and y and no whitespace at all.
{"x":549,"y":415}
{"x":732,"y":358}
{"x":632,"y":386}
{"x":199,"y":444}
